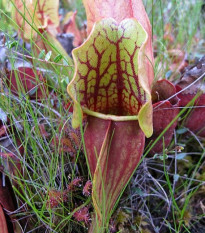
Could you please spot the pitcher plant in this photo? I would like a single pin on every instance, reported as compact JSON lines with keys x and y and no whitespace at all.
{"x":111,"y":87}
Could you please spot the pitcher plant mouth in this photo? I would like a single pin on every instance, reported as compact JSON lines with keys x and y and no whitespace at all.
{"x":109,"y":116}
{"x":110,"y":79}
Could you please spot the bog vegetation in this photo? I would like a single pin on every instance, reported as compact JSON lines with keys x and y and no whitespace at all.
{"x":102,"y":116}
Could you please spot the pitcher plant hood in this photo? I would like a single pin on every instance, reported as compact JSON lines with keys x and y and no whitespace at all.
{"x":110,"y":80}
{"x":120,"y":10}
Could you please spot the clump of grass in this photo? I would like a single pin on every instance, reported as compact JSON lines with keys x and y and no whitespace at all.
{"x":46,"y":165}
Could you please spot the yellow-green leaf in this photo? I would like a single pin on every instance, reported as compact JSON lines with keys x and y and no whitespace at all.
{"x":32,"y":15}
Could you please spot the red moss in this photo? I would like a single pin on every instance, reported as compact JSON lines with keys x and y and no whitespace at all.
{"x":82,"y":215}
{"x":87,"y":188}
{"x":77,"y":182}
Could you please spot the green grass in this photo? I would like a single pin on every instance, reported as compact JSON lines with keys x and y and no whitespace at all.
{"x":164,"y":193}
